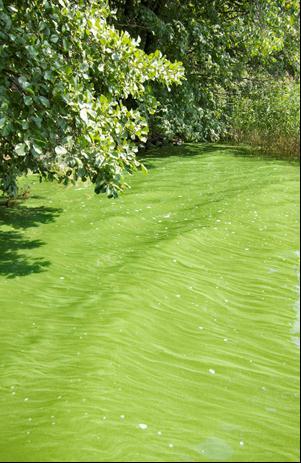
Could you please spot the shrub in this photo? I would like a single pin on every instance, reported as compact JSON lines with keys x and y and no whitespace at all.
{"x":269,"y":117}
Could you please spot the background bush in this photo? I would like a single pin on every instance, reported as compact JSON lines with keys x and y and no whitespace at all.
{"x":269,"y":117}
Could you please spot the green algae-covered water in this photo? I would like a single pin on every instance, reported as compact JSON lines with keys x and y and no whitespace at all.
{"x":162,"y":326}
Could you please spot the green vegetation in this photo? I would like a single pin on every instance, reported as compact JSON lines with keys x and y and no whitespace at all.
{"x":66,"y":76}
{"x":269,"y":117}
{"x":228,"y":48}
{"x":83,"y":84}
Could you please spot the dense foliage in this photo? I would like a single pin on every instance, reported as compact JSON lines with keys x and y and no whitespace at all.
{"x":68,"y":80}
{"x":268,"y":116}
{"x":228,"y":47}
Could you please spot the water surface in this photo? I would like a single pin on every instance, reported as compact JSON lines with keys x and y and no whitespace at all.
{"x":162,"y":326}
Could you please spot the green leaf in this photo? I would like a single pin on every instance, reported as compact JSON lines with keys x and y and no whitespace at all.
{"x":54,"y":38}
{"x":60,"y":150}
{"x":37,"y":149}
{"x":28,"y":100}
{"x":25,"y":125}
{"x":20,"y":149}
{"x":2,"y":122}
{"x":44,"y":101}
{"x":144,"y":169}
{"x":38,"y":121}
{"x":24,"y":83}
{"x":84,"y":115}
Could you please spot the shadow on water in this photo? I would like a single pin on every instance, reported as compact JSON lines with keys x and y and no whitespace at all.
{"x":190,"y":149}
{"x":12,"y":262}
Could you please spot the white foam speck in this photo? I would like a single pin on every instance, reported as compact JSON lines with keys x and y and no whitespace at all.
{"x":142,"y":426}
{"x":241,"y":443}
{"x":211,"y":371}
